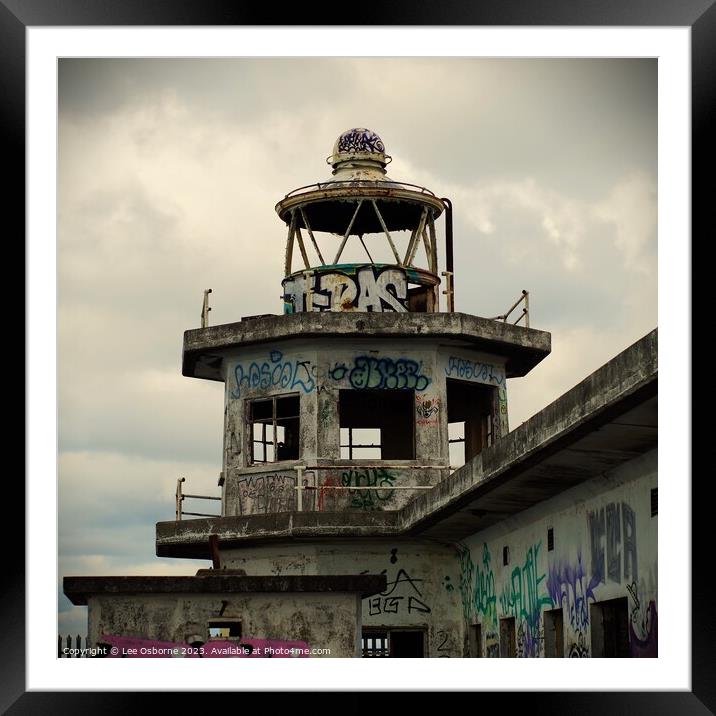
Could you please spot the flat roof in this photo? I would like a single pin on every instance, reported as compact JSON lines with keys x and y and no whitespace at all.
{"x":523,"y":347}
{"x":78,"y":589}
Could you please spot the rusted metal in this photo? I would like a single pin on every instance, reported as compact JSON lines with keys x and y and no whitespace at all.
{"x":214,"y":546}
{"x":355,"y":190}
{"x":302,"y":247}
{"x":413,"y":244}
{"x":289,"y":244}
{"x":179,"y":498}
{"x":449,"y":290}
{"x":525,"y":311}
{"x":348,"y":231}
{"x":370,"y":258}
{"x":385,"y":229}
{"x":388,"y":184}
{"x":433,"y":245}
{"x":449,"y":262}
{"x":310,"y":233}
{"x":205,"y":308}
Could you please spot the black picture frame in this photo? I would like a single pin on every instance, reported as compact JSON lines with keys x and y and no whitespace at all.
{"x":699,"y":15}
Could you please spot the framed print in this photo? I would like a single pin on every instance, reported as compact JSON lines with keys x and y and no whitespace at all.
{"x":167,"y":141}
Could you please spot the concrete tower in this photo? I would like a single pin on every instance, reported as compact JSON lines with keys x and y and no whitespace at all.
{"x":373,"y":502}
{"x":360,"y":396}
{"x":363,"y":392}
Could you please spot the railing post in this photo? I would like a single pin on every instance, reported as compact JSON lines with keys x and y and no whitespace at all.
{"x":299,"y":488}
{"x":205,"y":308}
{"x":449,"y":292}
{"x":527,"y":308}
{"x":179,"y":498}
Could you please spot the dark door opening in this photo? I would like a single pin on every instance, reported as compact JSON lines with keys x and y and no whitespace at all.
{"x":508,"y":642}
{"x":553,"y":634}
{"x":610,"y":628}
{"x":475,"y":640}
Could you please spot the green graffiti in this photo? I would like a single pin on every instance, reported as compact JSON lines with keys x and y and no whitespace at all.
{"x":372,"y":477}
{"x":477,"y":586}
{"x":523,"y":597}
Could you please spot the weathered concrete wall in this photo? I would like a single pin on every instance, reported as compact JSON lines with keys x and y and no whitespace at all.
{"x":605,"y":547}
{"x":422,"y":582}
{"x":317,"y":373}
{"x":325,"y":621}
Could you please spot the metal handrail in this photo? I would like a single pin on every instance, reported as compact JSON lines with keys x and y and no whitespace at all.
{"x":525,"y":311}
{"x":362,"y":182}
{"x":179,"y":512}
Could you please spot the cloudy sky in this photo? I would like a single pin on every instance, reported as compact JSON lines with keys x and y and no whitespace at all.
{"x":168,"y":174}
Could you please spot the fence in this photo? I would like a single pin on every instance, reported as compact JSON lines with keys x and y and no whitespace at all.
{"x":76,"y":651}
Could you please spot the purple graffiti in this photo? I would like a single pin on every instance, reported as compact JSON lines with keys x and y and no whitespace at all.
{"x":568,"y":587}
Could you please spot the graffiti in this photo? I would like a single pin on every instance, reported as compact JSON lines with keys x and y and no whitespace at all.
{"x":477,"y":586}
{"x":448,"y":584}
{"x":390,"y":603}
{"x":427,"y":410}
{"x":394,"y":555}
{"x":369,"y":477}
{"x":643,"y":634}
{"x":578,"y":649}
{"x":122,"y":647}
{"x":322,"y":494}
{"x":277,"y":371}
{"x":492,"y":645}
{"x":444,"y":644}
{"x":619,"y":533}
{"x":371,"y":289}
{"x":473,"y":370}
{"x":466,"y":580}
{"x":529,"y":644}
{"x":267,"y":493}
{"x":523,"y":598}
{"x":360,"y":139}
{"x":568,"y":588}
{"x":379,"y":373}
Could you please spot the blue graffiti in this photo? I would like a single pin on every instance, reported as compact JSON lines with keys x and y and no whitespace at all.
{"x":472,"y":370}
{"x":374,"y":373}
{"x":569,"y":589}
{"x":287,"y":373}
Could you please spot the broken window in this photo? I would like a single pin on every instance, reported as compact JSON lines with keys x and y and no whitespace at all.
{"x":224,"y":629}
{"x":470,"y":419}
{"x":377,"y":424}
{"x":273,"y":428}
{"x":396,"y":643}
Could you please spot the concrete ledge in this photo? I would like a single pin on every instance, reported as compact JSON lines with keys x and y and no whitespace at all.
{"x":78,"y":589}
{"x":190,"y":538}
{"x":523,"y":347}
{"x":628,"y":379}
{"x":588,"y":411}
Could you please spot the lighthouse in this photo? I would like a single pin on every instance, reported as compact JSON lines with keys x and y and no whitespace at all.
{"x":374,"y":502}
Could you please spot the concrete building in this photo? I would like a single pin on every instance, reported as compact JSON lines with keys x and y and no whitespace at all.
{"x":373,"y":500}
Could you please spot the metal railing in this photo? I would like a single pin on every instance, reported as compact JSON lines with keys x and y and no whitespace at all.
{"x":391,"y":184}
{"x":301,"y":469}
{"x":302,"y":484}
{"x":525,"y":311}
{"x":180,"y":497}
